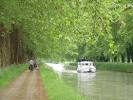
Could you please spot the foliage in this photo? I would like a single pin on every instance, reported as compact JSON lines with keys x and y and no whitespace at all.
{"x":99,"y":30}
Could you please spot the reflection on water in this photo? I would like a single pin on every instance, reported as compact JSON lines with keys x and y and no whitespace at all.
{"x":83,"y":80}
{"x":102,"y":85}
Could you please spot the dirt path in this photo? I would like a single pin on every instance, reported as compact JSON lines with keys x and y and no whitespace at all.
{"x":27,"y":86}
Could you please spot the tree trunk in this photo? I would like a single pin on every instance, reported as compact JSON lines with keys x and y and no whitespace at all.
{"x":128,"y":56}
{"x":11,"y":46}
{"x":122,"y":58}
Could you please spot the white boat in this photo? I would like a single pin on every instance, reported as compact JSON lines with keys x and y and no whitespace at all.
{"x":86,"y":66}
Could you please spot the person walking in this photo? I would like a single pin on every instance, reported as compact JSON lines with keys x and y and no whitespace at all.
{"x":31,"y":65}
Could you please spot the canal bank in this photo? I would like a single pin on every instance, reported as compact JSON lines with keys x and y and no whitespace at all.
{"x":118,"y":67}
{"x":102,"y":85}
{"x":106,"y":66}
{"x":56,"y":88}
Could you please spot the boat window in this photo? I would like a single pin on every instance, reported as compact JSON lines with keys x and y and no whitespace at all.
{"x":86,"y":64}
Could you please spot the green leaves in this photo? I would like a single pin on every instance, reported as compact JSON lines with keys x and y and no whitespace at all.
{"x":63,"y":29}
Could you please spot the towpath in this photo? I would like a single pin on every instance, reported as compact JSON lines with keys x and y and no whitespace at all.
{"x":28,"y":86}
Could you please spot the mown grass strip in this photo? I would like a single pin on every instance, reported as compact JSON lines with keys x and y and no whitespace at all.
{"x":10,"y":73}
{"x":56,"y":88}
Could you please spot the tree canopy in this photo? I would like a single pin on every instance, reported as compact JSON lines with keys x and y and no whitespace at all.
{"x":99,"y":30}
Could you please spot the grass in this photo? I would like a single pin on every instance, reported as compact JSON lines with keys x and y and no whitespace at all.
{"x":56,"y":88}
{"x":10,"y":73}
{"x":120,"y":67}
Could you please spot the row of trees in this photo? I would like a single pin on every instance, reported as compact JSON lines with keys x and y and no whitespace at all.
{"x":99,"y":30}
{"x":109,"y":34}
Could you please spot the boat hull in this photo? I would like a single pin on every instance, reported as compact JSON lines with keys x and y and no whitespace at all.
{"x":86,"y":70}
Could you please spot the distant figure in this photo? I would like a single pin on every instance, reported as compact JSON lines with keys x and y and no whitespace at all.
{"x":31,"y":65}
{"x":35,"y":64}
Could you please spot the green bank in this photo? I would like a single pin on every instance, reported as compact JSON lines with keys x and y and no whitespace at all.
{"x":109,"y":66}
{"x":56,"y":88}
{"x":120,"y":67}
{"x":10,"y":73}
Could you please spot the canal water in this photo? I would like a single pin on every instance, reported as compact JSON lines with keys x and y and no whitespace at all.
{"x":102,"y":85}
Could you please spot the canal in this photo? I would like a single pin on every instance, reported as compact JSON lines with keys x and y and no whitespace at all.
{"x":102,"y":85}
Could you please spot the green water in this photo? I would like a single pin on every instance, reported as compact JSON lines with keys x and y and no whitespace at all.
{"x":102,"y":85}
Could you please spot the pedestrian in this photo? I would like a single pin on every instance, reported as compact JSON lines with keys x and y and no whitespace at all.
{"x":35,"y":65}
{"x":31,"y":65}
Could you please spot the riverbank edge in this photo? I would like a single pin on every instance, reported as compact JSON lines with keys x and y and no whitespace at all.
{"x":56,"y":88}
{"x":8,"y":74}
{"x":118,"y":67}
{"x":108,"y":66}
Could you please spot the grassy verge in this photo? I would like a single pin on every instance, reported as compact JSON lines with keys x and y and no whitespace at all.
{"x":120,"y":67}
{"x":10,"y":73}
{"x":56,"y":88}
